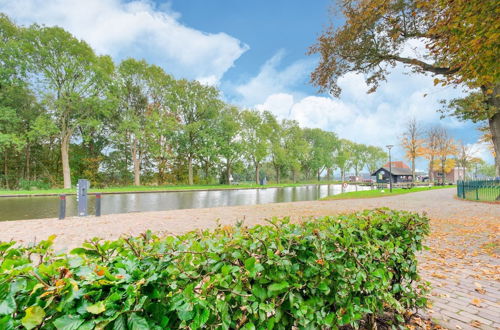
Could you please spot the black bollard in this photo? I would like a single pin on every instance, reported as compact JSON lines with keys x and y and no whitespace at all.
{"x":62,"y":206}
{"x":97,"y":205}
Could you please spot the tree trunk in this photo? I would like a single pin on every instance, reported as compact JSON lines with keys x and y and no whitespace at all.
{"x":319,"y":176}
{"x":277,"y":175}
{"x":328,"y":174}
{"x":294,"y":175}
{"x":431,"y":172}
{"x":28,"y":161}
{"x":228,"y":171}
{"x":5,"y":169}
{"x":137,"y":163}
{"x":494,"y":123}
{"x":257,"y":179}
{"x":190,"y":170}
{"x":443,"y":163}
{"x":65,"y":160}
{"x":413,"y":169}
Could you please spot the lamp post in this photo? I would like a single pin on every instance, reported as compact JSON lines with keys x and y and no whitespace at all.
{"x":389,"y":146}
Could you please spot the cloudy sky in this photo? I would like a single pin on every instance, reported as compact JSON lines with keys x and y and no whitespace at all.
{"x":254,"y":51}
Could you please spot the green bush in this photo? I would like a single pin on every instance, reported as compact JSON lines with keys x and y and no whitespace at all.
{"x":321,"y":273}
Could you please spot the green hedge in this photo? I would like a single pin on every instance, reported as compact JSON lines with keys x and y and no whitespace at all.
{"x":327,"y":272}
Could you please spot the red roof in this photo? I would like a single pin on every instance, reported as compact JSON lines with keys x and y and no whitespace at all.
{"x":397,"y":164}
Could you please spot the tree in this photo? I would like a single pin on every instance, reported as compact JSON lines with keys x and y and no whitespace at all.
{"x":228,"y":142}
{"x":322,"y":146}
{"x":461,"y":38}
{"x":445,"y":147}
{"x":194,"y":104}
{"x":134,"y":111}
{"x":295,"y":145}
{"x":71,"y":79}
{"x":342,"y":157}
{"x":430,"y":148}
{"x":375,"y":158}
{"x":358,"y":157}
{"x":465,"y":155}
{"x":412,"y":143}
{"x":255,"y":135}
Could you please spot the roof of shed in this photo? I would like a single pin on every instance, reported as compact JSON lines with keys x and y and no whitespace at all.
{"x":395,"y":171}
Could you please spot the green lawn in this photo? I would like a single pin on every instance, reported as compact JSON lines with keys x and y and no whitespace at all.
{"x":381,"y":193}
{"x":125,"y":189}
{"x":483,"y":194}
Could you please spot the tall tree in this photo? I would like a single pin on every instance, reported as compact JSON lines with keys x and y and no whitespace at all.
{"x":375,"y":158}
{"x":71,"y":79}
{"x":194,"y":104}
{"x":445,"y":147}
{"x":255,"y":135}
{"x":295,"y":145}
{"x":229,"y":144}
{"x":322,"y":145}
{"x":134,"y":111}
{"x":342,"y":157}
{"x":461,"y":38}
{"x":465,"y":155}
{"x":412,"y":143}
{"x":430,"y":148}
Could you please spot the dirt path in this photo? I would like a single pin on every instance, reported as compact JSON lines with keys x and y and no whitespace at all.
{"x":462,"y":262}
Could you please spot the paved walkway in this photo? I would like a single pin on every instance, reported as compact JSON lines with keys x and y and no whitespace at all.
{"x":462,"y":263}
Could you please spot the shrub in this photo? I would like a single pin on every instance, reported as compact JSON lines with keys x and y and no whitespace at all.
{"x":327,"y":272}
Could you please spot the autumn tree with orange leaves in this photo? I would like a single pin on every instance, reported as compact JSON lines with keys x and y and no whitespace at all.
{"x":445,"y":147}
{"x":461,"y":38}
{"x":412,"y":143}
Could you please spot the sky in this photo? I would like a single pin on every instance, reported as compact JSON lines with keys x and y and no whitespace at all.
{"x":255,"y":53}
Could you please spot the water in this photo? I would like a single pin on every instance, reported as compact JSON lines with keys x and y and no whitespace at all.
{"x":19,"y":208}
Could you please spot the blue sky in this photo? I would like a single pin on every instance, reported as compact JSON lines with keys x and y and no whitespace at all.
{"x":255,"y":52}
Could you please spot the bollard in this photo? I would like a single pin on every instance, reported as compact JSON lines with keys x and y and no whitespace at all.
{"x":62,"y":206}
{"x":97,"y":205}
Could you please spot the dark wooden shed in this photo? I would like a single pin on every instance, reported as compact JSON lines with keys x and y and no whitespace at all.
{"x":399,"y":174}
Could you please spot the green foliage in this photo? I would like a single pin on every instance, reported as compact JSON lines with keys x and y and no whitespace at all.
{"x":327,"y":272}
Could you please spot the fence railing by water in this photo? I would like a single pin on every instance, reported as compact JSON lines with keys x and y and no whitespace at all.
{"x":479,"y":190}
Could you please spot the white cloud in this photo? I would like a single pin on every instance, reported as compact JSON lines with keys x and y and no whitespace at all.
{"x":135,"y":29}
{"x":270,"y":80}
{"x":279,"y":104}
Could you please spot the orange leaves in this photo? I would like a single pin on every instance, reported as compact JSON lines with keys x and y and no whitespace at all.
{"x":479,"y":288}
{"x":320,"y":262}
{"x":476,"y":302}
{"x":99,"y":271}
{"x":440,"y":276}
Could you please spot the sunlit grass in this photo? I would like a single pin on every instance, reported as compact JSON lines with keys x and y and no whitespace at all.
{"x":381,"y":193}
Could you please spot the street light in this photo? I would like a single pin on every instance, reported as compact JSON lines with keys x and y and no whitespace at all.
{"x":389,"y":146}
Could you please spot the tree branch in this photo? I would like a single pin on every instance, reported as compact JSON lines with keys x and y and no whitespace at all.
{"x":424,"y":66}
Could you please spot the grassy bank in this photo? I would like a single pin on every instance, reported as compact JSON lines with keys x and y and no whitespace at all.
{"x":381,"y":193}
{"x":131,"y":189}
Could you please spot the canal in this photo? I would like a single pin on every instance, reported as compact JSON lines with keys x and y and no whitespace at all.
{"x":19,"y":208}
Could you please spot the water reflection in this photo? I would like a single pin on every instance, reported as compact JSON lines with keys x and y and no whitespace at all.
{"x":17,"y":208}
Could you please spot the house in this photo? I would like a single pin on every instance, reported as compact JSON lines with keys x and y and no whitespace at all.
{"x":456,"y":173}
{"x":400,"y":173}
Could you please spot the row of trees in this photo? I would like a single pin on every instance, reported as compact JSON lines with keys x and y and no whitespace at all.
{"x":442,"y":152}
{"x":65,"y":110}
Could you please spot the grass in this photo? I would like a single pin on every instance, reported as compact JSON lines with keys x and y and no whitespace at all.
{"x":131,"y":189}
{"x":381,"y":193}
{"x":483,"y":194}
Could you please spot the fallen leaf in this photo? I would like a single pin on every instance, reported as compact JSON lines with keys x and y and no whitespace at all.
{"x":476,"y":302}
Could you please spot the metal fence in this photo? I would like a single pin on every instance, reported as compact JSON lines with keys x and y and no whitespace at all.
{"x":479,"y":190}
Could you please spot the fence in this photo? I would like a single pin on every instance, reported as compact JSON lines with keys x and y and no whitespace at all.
{"x":479,"y":190}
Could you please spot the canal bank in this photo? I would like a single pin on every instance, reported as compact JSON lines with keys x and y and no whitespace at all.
{"x":154,"y":189}
{"x":16,"y":208}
